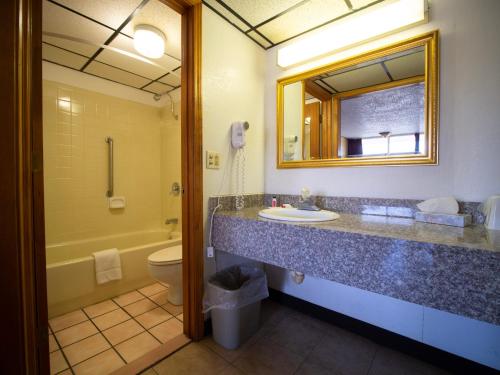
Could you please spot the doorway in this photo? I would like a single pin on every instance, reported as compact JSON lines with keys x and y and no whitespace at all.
{"x":28,"y":235}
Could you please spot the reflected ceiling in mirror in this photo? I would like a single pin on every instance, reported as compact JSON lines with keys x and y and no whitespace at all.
{"x":379,"y":108}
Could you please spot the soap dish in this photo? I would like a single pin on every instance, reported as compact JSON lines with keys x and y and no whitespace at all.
{"x":455,"y":220}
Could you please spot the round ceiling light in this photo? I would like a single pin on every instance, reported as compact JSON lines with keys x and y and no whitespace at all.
{"x":149,"y":41}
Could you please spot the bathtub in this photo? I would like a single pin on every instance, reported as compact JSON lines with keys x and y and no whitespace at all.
{"x":71,"y":282}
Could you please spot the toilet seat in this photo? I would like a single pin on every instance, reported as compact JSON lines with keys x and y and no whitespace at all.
{"x":170,"y":255}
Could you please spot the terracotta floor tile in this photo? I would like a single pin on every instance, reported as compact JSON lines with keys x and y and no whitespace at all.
{"x":100,"y":308}
{"x":160,"y":298}
{"x":180,"y":317}
{"x":173,"y":309}
{"x":102,"y":364}
{"x":110,"y":319}
{"x":128,"y":298}
{"x":152,"y":289}
{"x":153,"y":317}
{"x":123,"y":331}
{"x":140,"y":307}
{"x":167,"y":330}
{"x":57,"y":362}
{"x":137,"y":346}
{"x":67,"y":320}
{"x":192,"y":359}
{"x":76,"y":333}
{"x":85,"y":349}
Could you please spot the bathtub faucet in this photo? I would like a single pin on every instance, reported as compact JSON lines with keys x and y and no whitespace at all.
{"x":172,"y":221}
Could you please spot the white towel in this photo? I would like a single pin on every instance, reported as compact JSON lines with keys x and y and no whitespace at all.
{"x":447,"y":205}
{"x":107,"y":266}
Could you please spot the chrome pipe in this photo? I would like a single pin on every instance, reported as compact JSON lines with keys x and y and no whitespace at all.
{"x":109,"y":141}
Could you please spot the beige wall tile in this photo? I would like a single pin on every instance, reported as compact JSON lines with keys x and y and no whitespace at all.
{"x":75,"y":123}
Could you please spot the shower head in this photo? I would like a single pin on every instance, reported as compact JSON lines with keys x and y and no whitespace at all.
{"x":157,"y":97}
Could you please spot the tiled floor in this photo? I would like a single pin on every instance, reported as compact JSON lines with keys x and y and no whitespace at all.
{"x":292,"y":343}
{"x":101,"y":338}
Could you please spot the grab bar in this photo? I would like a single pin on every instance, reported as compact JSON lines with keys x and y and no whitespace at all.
{"x":109,"y":141}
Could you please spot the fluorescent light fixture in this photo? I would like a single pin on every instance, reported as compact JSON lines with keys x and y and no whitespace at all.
{"x":149,"y":41}
{"x":369,"y":23}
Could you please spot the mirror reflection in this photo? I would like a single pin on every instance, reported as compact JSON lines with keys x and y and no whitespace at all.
{"x":374,"y":108}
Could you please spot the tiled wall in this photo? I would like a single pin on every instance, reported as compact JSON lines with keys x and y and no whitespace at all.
{"x":76,"y":123}
{"x":171,"y":164}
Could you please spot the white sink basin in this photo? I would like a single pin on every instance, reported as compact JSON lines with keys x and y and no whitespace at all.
{"x":293,"y":214}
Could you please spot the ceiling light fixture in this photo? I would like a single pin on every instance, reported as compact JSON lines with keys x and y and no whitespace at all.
{"x":149,"y":41}
{"x":375,"y":21}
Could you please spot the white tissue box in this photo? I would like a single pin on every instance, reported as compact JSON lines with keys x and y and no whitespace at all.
{"x":455,"y":220}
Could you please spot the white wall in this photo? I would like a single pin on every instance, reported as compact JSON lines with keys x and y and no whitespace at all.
{"x":232,"y":89}
{"x":469,"y":145}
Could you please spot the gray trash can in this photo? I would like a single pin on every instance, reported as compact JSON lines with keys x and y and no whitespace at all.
{"x":233,"y":296}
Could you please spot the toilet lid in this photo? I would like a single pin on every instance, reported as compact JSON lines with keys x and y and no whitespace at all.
{"x":169,"y":255}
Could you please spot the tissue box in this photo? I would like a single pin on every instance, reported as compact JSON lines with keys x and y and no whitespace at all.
{"x":455,"y":220}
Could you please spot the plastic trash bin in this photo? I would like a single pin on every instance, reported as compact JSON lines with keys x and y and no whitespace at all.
{"x":233,"y":296}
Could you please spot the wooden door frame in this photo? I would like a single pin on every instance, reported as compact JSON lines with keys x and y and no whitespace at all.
{"x":22,"y":226}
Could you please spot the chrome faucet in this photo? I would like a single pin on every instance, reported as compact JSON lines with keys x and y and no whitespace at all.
{"x":306,"y":201}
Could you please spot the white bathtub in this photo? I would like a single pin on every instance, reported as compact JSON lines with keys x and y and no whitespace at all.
{"x":71,"y":282}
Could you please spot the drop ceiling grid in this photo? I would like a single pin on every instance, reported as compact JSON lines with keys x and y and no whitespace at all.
{"x":111,"y":21}
{"x":272,"y":22}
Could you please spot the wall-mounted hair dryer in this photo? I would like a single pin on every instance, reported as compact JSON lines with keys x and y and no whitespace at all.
{"x":238,"y":129}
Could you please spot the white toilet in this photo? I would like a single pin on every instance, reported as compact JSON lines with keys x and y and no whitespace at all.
{"x":166,"y":266}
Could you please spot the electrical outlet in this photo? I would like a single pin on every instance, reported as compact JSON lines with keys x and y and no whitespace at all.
{"x":210,"y":252}
{"x":213,"y":160}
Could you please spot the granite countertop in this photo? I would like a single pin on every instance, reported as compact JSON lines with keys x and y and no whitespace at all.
{"x":474,"y":236}
{"x":446,"y":268}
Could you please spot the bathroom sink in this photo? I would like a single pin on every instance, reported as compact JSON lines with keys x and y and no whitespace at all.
{"x":293,"y":214}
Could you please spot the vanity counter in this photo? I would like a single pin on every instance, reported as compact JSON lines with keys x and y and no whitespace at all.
{"x":447,"y":268}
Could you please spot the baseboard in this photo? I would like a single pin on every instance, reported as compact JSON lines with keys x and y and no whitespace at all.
{"x":424,"y":352}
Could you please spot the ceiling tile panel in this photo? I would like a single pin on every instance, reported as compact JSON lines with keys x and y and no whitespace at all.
{"x":172,"y":79}
{"x":407,"y":66}
{"x":157,"y":88}
{"x":232,"y":18}
{"x":114,"y":74}
{"x":62,"y":57}
{"x":303,"y":18}
{"x":165,"y":19}
{"x":257,"y":11}
{"x":355,"y":79}
{"x":259,"y":39}
{"x":136,"y":66}
{"x":325,"y":86}
{"x":109,"y":12}
{"x":61,"y":21}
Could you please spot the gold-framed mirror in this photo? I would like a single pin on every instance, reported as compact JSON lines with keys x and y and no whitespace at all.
{"x":378,"y":108}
